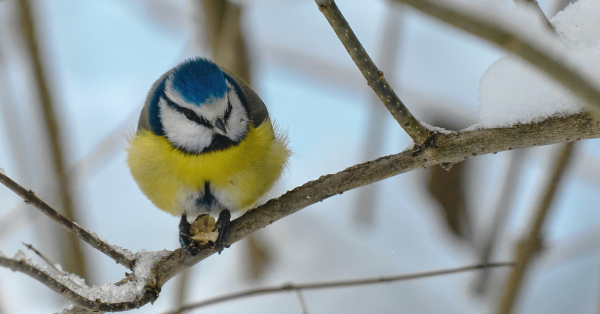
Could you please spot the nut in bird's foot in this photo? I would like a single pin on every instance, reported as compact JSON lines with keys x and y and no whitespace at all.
{"x":201,"y":231}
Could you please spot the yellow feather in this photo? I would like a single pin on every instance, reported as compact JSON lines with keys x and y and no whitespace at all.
{"x":244,"y":172}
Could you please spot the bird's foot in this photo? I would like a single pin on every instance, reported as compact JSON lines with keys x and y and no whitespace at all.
{"x":186,"y":241}
{"x":222,"y":226}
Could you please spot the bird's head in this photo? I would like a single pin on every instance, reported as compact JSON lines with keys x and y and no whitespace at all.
{"x":198,"y":108}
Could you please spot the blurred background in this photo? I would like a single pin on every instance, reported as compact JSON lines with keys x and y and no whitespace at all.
{"x":74,"y":76}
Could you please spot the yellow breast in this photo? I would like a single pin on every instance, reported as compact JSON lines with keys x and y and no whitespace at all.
{"x":241,"y":174}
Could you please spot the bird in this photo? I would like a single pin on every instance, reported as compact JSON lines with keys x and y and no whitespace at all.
{"x":205,"y":145}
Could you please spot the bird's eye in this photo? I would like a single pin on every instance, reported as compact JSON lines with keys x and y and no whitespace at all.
{"x":189,"y":114}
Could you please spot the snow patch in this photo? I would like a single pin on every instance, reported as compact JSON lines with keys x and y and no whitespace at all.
{"x":111,"y":293}
{"x":512,"y":91}
{"x":435,"y":129}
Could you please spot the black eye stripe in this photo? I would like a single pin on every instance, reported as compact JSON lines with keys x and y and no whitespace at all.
{"x":188,"y":113}
{"x":227,"y":112}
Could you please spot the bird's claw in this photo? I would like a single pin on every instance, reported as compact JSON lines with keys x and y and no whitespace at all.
{"x":191,"y":246}
{"x":222,"y":226}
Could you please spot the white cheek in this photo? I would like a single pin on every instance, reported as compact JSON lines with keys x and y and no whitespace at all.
{"x":237,"y":125}
{"x":182,"y":132}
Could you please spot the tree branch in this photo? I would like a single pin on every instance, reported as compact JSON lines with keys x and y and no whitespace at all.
{"x":529,"y":246}
{"x":374,"y":77}
{"x":444,"y":148}
{"x":97,"y":305}
{"x":334,"y":284}
{"x":30,"y":198}
{"x":549,"y":57}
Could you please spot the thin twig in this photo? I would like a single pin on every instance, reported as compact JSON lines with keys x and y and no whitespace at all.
{"x":549,"y":59}
{"x":335,"y":284}
{"x":500,"y":214}
{"x":530,"y":245}
{"x":44,"y":258}
{"x":29,"y":197}
{"x":74,"y":254}
{"x":375,"y":133}
{"x":302,"y":302}
{"x":372,"y":74}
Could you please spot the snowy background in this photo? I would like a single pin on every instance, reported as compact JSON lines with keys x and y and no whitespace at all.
{"x":102,"y":56}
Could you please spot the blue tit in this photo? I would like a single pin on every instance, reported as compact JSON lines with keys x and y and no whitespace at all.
{"x":205,"y":145}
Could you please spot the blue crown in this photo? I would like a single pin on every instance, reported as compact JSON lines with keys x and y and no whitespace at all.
{"x":198,"y":79}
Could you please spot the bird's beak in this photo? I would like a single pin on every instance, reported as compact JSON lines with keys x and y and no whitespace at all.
{"x":220,"y":126}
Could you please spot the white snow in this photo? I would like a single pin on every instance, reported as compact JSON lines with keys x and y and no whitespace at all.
{"x":435,"y":129}
{"x":511,"y":91}
{"x":20,"y":256}
{"x":126,"y":292}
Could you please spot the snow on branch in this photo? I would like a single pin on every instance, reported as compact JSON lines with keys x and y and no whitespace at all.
{"x":524,"y":33}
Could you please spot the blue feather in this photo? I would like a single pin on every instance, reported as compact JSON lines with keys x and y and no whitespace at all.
{"x":153,"y":111}
{"x":199,"y":79}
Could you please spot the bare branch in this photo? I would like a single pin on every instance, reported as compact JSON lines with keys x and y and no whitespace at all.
{"x":453,"y":147}
{"x":302,"y":302}
{"x":549,"y":59}
{"x":500,"y":214}
{"x":336,"y":284}
{"x":530,"y":245}
{"x":30,"y":198}
{"x":374,"y":77}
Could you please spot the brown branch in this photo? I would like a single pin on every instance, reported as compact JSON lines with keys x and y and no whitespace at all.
{"x":302,"y":301}
{"x":500,"y":214}
{"x":530,"y":245}
{"x":335,"y":284}
{"x":547,"y":60}
{"x":30,"y":198}
{"x":375,"y":133}
{"x":372,"y":74}
{"x":454,"y":147}
{"x":58,"y":287}
{"x":74,"y":254}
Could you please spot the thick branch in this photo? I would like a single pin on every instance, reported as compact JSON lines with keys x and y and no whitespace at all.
{"x":547,"y":58}
{"x":30,"y":198}
{"x":444,"y":148}
{"x":335,"y":284}
{"x":374,"y":77}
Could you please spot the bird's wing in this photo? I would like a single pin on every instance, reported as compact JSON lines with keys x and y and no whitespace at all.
{"x":144,"y":122}
{"x":257,"y":111}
